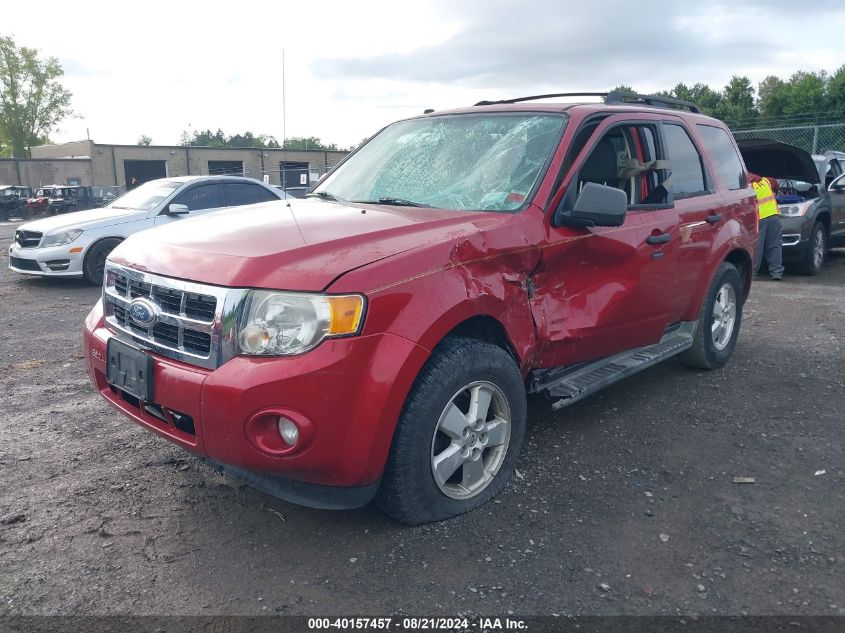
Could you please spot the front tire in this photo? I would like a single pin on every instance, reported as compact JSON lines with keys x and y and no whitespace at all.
{"x":94,"y":264}
{"x":814,"y":259}
{"x":459,"y":434}
{"x":719,"y":321}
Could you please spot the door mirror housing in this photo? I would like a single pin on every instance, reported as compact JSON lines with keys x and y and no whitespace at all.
{"x":596,"y":205}
{"x":178,"y":209}
{"x":838,"y":185}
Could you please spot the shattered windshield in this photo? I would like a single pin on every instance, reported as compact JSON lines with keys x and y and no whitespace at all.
{"x":484,"y":162}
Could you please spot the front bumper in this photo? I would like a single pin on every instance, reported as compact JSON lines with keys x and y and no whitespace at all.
{"x":796,"y":237}
{"x":346,"y":396}
{"x":54,"y":261}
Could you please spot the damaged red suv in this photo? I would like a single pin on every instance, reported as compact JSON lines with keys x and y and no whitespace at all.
{"x":378,"y":339}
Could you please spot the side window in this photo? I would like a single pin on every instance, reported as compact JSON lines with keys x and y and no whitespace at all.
{"x":725,"y":159}
{"x":686,"y":166}
{"x":238,"y":193}
{"x":198,"y":198}
{"x":627,"y":157}
{"x":265,"y":195}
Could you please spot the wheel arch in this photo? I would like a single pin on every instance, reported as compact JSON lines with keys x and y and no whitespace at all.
{"x":823,"y":216}
{"x":742,"y":262}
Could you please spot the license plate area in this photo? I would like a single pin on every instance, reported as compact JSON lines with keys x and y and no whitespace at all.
{"x":129,"y":369}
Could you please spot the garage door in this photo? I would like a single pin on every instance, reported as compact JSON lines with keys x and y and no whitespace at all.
{"x":144,"y":170}
{"x":294,"y":175}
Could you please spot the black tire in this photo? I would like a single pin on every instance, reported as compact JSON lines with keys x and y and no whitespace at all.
{"x":706,"y":351}
{"x":814,"y":259}
{"x":408,"y":491}
{"x":95,"y":259}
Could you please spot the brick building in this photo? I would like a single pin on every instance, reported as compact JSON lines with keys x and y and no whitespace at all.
{"x":114,"y":166}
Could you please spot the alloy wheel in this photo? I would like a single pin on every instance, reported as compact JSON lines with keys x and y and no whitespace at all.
{"x":471,"y":440}
{"x":724,"y":316}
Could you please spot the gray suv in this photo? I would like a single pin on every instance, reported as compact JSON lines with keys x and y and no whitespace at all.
{"x":811,"y":198}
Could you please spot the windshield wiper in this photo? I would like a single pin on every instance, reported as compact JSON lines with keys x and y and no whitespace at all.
{"x":324,"y":195}
{"x":394,"y":202}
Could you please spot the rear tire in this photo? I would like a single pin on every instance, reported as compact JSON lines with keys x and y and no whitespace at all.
{"x":814,"y":259}
{"x":719,"y":321}
{"x":459,"y":434}
{"x":93,"y":266}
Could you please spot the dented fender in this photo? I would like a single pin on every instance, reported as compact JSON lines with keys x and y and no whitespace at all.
{"x":483,"y":274}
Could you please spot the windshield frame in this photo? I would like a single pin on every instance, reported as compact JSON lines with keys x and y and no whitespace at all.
{"x":529,"y":197}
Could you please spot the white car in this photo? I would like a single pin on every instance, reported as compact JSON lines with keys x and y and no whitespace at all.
{"x":77,"y":244}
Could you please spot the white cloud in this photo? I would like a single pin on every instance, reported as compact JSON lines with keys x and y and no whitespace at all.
{"x":352,"y":67}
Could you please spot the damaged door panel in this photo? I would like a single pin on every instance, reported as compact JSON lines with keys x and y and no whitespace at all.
{"x":602,"y":289}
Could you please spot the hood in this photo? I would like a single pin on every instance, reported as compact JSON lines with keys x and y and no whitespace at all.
{"x":767,"y":157}
{"x":304,"y":245}
{"x":91,"y":219}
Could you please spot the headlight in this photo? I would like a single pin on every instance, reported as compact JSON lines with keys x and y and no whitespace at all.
{"x":60,"y":239}
{"x":287,"y":323}
{"x":795,"y":210}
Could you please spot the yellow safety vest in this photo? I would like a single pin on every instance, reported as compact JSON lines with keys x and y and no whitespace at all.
{"x":766,"y":201}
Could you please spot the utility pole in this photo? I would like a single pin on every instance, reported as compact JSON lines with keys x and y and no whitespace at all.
{"x":282,"y":178}
{"x":284,"y":134}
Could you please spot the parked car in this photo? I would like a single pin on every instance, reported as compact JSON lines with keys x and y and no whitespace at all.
{"x":13,"y":200}
{"x":812,"y":207}
{"x":77,"y":244}
{"x":57,"y":199}
{"x":377,"y":339}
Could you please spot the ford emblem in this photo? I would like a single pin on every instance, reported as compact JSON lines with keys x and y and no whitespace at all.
{"x":143,"y":311}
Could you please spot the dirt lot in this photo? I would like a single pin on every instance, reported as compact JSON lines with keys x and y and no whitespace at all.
{"x":623,"y":504}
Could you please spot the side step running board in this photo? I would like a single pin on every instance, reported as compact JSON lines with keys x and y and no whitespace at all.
{"x":571,"y":384}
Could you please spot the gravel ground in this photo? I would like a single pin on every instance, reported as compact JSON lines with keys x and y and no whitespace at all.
{"x":624,"y":503}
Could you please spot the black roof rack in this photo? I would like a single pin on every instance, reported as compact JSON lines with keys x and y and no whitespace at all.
{"x":613,"y":97}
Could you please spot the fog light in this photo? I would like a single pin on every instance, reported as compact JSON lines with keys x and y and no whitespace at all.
{"x":289,"y":431}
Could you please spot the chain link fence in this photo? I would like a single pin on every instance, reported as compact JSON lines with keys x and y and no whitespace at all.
{"x":815,"y":139}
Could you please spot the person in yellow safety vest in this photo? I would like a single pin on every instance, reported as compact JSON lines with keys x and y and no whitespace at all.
{"x":769,"y":240}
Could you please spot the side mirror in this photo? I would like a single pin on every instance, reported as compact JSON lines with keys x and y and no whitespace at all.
{"x":596,"y":205}
{"x":178,"y":209}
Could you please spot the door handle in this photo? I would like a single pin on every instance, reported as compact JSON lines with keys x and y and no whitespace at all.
{"x":658,"y":239}
{"x":712,"y":219}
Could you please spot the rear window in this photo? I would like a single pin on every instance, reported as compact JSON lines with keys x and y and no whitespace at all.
{"x":725,"y":159}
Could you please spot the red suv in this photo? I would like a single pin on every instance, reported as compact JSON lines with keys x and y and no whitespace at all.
{"x":378,"y":338}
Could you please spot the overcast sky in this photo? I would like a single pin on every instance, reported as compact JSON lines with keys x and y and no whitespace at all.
{"x":159,"y":68}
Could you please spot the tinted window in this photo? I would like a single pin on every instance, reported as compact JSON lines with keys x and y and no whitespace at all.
{"x":725,"y":159}
{"x":265,"y":195}
{"x":198,"y":198}
{"x":240,"y":193}
{"x":685,"y":161}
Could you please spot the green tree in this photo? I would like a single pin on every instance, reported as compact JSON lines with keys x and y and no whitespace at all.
{"x":836,"y":93}
{"x":310,"y":142}
{"x":772,"y":97}
{"x":145,"y":140}
{"x":806,"y":94}
{"x":737,"y":103}
{"x":207,"y":138}
{"x":32,"y":99}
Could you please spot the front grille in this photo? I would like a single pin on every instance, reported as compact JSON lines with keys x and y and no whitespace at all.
{"x":24,"y":264}
{"x":171,"y":300}
{"x":189,"y":315}
{"x":28,"y":239}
